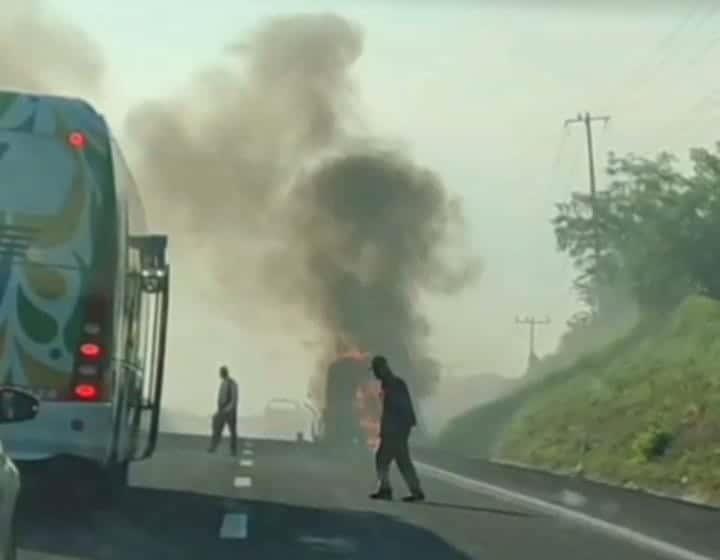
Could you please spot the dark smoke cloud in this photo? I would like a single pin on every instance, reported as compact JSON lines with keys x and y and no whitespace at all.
{"x":256,"y":169}
{"x":225,"y":149}
{"x":42,"y":53}
{"x":371,"y":226}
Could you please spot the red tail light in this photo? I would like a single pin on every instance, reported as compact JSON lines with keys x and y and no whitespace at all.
{"x":87,"y":392}
{"x":90,"y":351}
{"x":77,"y":140}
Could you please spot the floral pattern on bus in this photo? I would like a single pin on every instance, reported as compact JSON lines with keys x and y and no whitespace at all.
{"x":40,"y":294}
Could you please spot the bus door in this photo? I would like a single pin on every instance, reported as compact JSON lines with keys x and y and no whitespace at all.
{"x":147,"y":380}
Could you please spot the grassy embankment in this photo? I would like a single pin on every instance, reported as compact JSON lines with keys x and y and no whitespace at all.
{"x":644,"y":411}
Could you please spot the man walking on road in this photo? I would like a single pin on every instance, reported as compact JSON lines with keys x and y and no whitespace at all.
{"x":226,"y":412}
{"x":397,"y":421}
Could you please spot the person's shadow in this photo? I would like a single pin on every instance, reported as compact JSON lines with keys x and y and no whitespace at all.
{"x":494,"y":511}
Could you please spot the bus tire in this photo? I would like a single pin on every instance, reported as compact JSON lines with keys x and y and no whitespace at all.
{"x":111,"y":482}
{"x":11,"y":547}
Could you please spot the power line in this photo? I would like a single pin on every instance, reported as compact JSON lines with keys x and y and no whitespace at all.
{"x":663,"y":46}
{"x":557,"y":159}
{"x":639,"y":80}
{"x":705,"y":103}
{"x":560,"y":148}
{"x":710,"y":45}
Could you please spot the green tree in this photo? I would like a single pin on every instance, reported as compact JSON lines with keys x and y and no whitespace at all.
{"x":658,"y":231}
{"x":698,"y":222}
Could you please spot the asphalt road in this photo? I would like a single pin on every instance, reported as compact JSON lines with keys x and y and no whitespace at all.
{"x":278,"y":500}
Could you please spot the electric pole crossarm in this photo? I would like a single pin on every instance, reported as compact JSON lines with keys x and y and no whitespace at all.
{"x":587,"y":118}
{"x":576,"y":120}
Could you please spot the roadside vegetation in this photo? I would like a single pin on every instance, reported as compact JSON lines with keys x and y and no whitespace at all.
{"x":632,"y":394}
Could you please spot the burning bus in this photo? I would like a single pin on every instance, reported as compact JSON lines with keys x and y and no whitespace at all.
{"x":351,"y":416}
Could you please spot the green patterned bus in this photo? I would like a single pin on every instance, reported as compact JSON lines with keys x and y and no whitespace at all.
{"x":83,"y":292}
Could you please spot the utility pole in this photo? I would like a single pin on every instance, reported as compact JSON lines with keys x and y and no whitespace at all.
{"x":587,"y":120}
{"x":532,"y":322}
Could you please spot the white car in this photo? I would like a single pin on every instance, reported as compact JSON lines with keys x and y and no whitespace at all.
{"x":285,"y":419}
{"x":15,"y":406}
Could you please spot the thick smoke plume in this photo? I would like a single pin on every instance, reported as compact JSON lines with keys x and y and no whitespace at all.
{"x":371,"y":226}
{"x":39,"y":52}
{"x":259,"y":164}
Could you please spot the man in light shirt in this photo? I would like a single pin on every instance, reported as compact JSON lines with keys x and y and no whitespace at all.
{"x":226,"y":412}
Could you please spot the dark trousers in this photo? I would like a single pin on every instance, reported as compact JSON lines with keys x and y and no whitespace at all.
{"x":220,"y":419}
{"x":394,"y":447}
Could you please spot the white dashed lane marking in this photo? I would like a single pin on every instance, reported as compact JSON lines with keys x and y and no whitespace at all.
{"x":243,"y":482}
{"x":234,"y":526}
{"x":34,"y":555}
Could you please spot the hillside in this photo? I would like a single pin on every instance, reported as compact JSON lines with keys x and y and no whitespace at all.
{"x":456,"y":394}
{"x":644,"y":411}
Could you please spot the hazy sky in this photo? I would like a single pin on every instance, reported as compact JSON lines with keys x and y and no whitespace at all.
{"x":478,"y":91}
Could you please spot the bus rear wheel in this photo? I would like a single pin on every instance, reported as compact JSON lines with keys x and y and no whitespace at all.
{"x":103,"y":485}
{"x":11,"y":546}
{"x":112,"y":482}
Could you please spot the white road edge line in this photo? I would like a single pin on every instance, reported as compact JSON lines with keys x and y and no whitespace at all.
{"x":234,"y":526}
{"x":643,"y":541}
{"x":242,"y":482}
{"x":26,"y":553}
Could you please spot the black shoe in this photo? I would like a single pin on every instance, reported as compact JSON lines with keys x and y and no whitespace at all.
{"x":414,"y":497}
{"x":382,"y":495}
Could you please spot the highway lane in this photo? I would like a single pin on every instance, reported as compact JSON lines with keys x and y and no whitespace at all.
{"x":277,"y":499}
{"x":454,"y":524}
{"x":672,"y":521}
{"x":173,"y":510}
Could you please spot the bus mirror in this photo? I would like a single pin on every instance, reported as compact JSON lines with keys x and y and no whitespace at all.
{"x":17,"y":406}
{"x":152,"y":279}
{"x":153,"y":260}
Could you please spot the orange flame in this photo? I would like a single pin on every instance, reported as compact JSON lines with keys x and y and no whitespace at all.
{"x":368,"y":406}
{"x":355,"y":355}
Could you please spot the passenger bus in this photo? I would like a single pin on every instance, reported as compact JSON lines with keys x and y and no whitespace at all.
{"x":84,"y":292}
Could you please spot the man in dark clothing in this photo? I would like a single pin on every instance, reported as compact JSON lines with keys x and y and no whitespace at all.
{"x":226,"y":412}
{"x":397,"y":421}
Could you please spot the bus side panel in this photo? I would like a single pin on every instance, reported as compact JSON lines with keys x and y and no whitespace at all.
{"x":62,"y":429}
{"x":128,"y":347}
{"x":121,"y":374}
